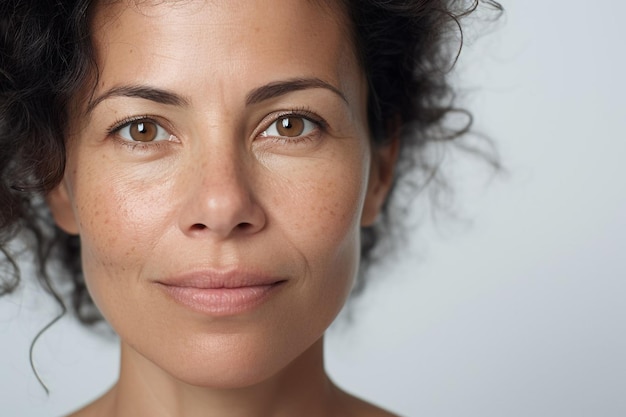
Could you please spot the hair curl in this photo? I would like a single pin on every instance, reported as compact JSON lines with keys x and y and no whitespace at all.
{"x":46,"y":56}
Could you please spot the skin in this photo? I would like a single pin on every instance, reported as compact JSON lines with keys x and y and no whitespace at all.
{"x":222,"y":192}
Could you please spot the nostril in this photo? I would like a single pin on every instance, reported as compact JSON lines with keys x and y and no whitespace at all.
{"x":244,"y":226}
{"x":198,"y":226}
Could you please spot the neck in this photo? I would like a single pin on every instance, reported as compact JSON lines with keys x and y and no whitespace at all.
{"x":301,"y":389}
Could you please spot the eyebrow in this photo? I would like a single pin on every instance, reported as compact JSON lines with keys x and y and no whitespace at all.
{"x":279,"y":88}
{"x":265,"y":92}
{"x":148,"y":93}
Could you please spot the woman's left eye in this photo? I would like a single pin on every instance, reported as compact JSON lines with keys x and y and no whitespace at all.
{"x":144,"y":130}
{"x":290,"y":127}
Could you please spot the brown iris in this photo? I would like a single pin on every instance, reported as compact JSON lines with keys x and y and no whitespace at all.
{"x":290,"y":126}
{"x":143,"y":131}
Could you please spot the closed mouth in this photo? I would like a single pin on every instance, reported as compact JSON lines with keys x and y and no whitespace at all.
{"x":221,"y":294}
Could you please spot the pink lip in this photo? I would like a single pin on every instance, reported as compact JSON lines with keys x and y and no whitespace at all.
{"x":221,"y":293}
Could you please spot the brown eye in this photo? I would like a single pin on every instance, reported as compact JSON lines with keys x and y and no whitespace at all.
{"x":143,"y":131}
{"x":290,"y":126}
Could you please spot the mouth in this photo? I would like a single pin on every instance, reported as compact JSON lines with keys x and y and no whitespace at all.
{"x":221,"y":294}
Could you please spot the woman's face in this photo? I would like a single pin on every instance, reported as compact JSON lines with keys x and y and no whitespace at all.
{"x":218,"y":177}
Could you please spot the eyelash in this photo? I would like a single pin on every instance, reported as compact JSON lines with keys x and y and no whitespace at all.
{"x":301,"y":112}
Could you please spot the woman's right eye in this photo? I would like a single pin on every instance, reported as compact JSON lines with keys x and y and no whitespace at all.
{"x":144,"y":130}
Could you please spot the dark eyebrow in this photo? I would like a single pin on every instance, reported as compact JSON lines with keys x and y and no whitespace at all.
{"x":280,"y":88}
{"x":139,"y":91}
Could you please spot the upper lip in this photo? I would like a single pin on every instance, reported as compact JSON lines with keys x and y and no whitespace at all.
{"x":217,"y":279}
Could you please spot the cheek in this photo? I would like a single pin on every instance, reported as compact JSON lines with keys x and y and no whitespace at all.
{"x":121,"y":220}
{"x":320,"y":216}
{"x":322,"y":196}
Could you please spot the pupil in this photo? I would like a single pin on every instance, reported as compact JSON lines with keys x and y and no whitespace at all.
{"x":287,"y":124}
{"x":143,"y":131}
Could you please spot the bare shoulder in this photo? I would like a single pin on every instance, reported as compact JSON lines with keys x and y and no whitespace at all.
{"x":90,"y":410}
{"x":87,"y":411}
{"x":352,"y":406}
{"x":94,"y":409}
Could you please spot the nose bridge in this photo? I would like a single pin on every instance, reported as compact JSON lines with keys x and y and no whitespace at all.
{"x":216,"y":149}
{"x":221,"y":200}
{"x":222,"y":177}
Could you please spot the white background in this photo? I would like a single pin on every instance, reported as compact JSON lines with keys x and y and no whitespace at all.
{"x":514,"y":309}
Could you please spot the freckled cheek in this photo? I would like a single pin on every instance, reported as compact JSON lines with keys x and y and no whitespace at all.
{"x":332,"y":214}
{"x":325,"y":211}
{"x":326,"y":216}
{"x":120,"y":222}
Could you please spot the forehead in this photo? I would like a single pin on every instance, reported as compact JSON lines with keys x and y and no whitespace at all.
{"x":233,"y":42}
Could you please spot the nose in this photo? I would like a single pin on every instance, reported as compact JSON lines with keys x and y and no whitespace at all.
{"x":220,"y":199}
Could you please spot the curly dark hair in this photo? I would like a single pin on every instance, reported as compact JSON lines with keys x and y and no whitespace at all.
{"x":46,"y":56}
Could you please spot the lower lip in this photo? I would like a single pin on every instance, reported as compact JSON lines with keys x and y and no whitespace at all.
{"x":221,"y":301}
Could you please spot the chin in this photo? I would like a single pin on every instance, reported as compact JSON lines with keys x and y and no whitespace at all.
{"x":233,"y":362}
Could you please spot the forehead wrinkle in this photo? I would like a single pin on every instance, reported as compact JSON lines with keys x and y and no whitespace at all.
{"x":335,"y":10}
